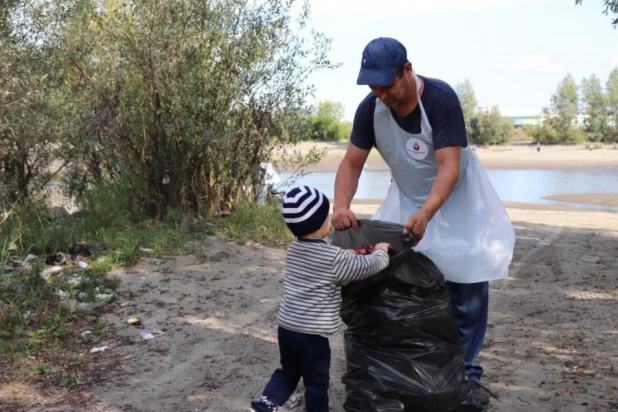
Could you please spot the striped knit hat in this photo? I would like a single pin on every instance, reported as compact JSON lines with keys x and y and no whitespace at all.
{"x":305,"y":210}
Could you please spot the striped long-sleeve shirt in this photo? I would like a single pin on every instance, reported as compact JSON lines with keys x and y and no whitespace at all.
{"x":315,"y":272}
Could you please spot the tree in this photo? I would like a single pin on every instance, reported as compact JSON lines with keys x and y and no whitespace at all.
{"x":325,"y":123}
{"x":562,"y":115}
{"x":594,"y":104}
{"x":560,"y":119}
{"x":468,"y":101}
{"x":611,"y":6}
{"x":187,"y":97}
{"x":612,"y":101}
{"x":490,"y":127}
{"x":36,"y":137}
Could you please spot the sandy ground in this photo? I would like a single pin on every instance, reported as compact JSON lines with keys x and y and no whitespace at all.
{"x":552,"y":343}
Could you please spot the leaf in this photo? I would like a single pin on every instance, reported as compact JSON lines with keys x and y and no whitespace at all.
{"x":81,"y":381}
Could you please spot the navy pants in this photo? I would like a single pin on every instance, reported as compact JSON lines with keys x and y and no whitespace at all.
{"x":302,"y":355}
{"x":470,"y":304}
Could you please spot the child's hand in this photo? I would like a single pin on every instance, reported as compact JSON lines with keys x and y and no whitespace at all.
{"x":367,"y":250}
{"x":384,"y":246}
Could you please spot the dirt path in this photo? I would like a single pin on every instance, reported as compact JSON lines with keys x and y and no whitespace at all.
{"x":552,"y":339}
{"x":551,"y":346}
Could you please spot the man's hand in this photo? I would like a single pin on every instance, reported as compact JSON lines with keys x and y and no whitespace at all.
{"x":447,"y":159}
{"x":344,"y":218}
{"x":346,"y":182}
{"x":417,"y":224}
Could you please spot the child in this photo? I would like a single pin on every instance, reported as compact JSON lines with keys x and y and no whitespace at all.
{"x":309,"y":310}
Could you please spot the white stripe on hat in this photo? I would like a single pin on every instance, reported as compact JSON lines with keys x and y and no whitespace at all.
{"x":301,"y":192}
{"x":308,"y":213}
{"x":302,"y":206}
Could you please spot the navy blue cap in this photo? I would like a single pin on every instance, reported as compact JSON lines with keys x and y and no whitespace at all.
{"x":382,"y":58}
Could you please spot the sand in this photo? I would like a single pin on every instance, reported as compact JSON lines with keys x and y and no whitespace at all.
{"x":516,"y":156}
{"x":551,"y":343}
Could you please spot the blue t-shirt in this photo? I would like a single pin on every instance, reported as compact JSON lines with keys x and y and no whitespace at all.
{"x":443,"y":112}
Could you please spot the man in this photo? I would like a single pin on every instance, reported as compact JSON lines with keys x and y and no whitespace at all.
{"x":438,"y":189}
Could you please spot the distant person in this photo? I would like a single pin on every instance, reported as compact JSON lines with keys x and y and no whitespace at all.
{"x":269,"y":177}
{"x":416,"y":123}
{"x":538,"y":146}
{"x":309,"y":310}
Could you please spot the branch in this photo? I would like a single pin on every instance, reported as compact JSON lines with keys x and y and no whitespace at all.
{"x":12,"y":103}
{"x":51,"y":177}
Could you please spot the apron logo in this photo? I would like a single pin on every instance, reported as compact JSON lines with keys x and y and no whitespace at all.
{"x":417,"y":149}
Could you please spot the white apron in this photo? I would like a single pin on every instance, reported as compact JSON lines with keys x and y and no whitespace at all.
{"x":470,"y":238}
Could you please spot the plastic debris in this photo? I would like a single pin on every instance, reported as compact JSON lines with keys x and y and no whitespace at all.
{"x":100,"y":349}
{"x":146,"y":334}
{"x":47,"y":273}
{"x":134,"y":321}
{"x":75,"y":280}
{"x":62,"y":294}
{"x":86,"y":333}
{"x":157,"y":332}
{"x":103,"y":296}
{"x":294,"y":400}
{"x":82,"y":264}
{"x":87,"y":307}
{"x":223,"y":213}
{"x":73,"y":305}
{"x":146,"y":250}
{"x":29,"y":257}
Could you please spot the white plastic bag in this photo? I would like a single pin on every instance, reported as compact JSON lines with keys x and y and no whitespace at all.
{"x":471,"y":238}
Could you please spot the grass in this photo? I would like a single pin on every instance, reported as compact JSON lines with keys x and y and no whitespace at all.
{"x":258,"y":223}
{"x":593,"y":146}
{"x":40,"y":336}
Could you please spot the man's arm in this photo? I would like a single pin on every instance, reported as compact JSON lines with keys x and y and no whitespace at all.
{"x":346,"y":183}
{"x":447,"y":160}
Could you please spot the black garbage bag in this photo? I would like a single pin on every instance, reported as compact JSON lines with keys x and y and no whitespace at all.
{"x":403,"y":350}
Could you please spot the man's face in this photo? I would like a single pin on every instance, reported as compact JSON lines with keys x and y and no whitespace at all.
{"x":395,"y":94}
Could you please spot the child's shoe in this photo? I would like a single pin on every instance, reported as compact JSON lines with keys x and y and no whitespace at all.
{"x":263,"y":404}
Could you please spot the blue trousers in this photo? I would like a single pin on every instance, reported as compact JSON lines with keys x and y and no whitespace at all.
{"x":302,"y":355}
{"x":470,"y":304}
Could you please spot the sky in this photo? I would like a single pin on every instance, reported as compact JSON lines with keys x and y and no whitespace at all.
{"x":514,"y":52}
